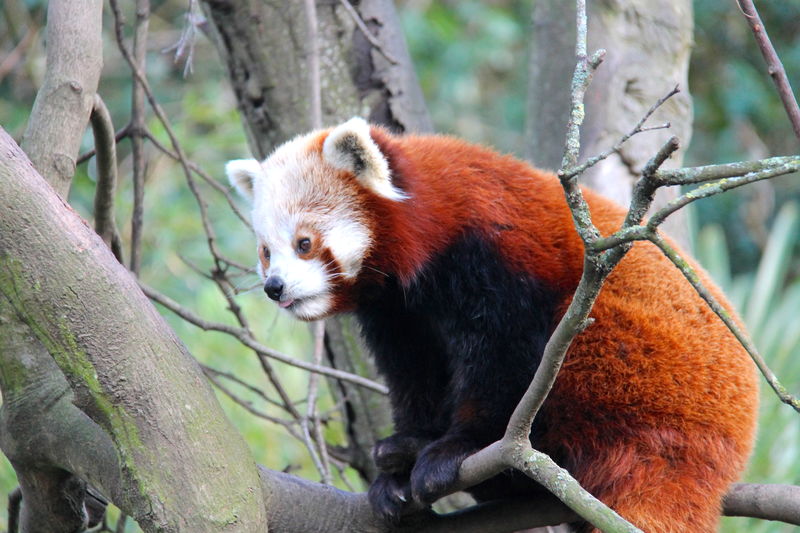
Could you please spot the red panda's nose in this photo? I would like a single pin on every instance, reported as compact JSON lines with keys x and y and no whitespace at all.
{"x":274,"y":287}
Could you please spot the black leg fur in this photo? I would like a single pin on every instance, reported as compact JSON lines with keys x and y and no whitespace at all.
{"x":458,"y":348}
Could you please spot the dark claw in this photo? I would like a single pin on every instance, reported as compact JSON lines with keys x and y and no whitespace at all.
{"x":389,"y":497}
{"x":436,"y":469}
{"x":431,"y":479}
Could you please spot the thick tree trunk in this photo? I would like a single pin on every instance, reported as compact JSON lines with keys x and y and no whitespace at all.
{"x":129,"y":373}
{"x":265,"y":46}
{"x":648,"y":44}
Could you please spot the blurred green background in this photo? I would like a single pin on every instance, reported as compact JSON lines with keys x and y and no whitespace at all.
{"x":471,"y":60}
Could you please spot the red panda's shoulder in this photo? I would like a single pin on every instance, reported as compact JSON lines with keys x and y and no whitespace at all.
{"x":455,"y":186}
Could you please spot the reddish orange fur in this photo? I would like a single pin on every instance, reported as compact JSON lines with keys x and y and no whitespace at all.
{"x":656,"y":397}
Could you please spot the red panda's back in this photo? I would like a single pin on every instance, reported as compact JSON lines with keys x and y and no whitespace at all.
{"x":655,"y":408}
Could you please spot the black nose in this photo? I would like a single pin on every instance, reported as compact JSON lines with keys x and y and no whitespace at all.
{"x":274,"y":287}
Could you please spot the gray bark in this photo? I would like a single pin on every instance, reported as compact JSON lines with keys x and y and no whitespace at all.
{"x":264,"y":45}
{"x":35,"y":393}
{"x":647,"y":45}
{"x":66,"y":97}
{"x":176,"y":463}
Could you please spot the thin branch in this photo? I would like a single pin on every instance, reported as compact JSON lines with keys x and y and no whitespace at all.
{"x":558,"y":481}
{"x":316,"y":444}
{"x":251,"y":343}
{"x":162,"y":117}
{"x":584,"y":69}
{"x":717,"y":187}
{"x":515,"y":445}
{"x":644,"y":190}
{"x":691,"y":275}
{"x":184,"y":48}
{"x":774,"y":65}
{"x":225,"y":191}
{"x":727,"y":176}
{"x":319,"y":350}
{"x":240,"y":382}
{"x":137,"y":128}
{"x":18,"y":53}
{"x":104,"y":222}
{"x":690,"y":175}
{"x":367,"y":34}
{"x":121,"y":133}
{"x":573,"y":321}
{"x":638,"y":128}
{"x":248,"y":406}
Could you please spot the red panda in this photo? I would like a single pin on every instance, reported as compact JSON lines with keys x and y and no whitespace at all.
{"x":458,"y":262}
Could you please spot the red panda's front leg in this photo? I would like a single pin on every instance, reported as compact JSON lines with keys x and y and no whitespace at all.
{"x":478,"y":332}
{"x":436,"y":469}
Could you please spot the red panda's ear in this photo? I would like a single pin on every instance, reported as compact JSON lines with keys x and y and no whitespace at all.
{"x":242,"y":174}
{"x":350,"y":147}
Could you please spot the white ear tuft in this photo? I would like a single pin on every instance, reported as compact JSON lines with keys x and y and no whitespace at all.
{"x":242,"y":173}
{"x":350,"y":147}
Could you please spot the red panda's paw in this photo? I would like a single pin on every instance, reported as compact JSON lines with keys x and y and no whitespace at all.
{"x":389,"y":495}
{"x":397,"y":453}
{"x":437,"y":466}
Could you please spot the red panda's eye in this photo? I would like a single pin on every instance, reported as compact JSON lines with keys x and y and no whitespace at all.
{"x":304,"y":245}
{"x":265,"y":252}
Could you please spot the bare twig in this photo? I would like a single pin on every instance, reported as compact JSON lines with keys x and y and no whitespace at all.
{"x":251,"y":343}
{"x":514,"y":448}
{"x":121,"y":133}
{"x":162,"y":117}
{"x":104,"y":222}
{"x":792,"y":164}
{"x":225,"y":191}
{"x":240,"y":382}
{"x":316,"y":443}
{"x":690,"y":175}
{"x":571,"y":324}
{"x":774,"y":65}
{"x":638,"y":128}
{"x":248,"y":406}
{"x":184,"y":48}
{"x":691,"y":275}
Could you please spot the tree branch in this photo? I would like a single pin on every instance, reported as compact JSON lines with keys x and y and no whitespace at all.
{"x":129,"y":371}
{"x":137,"y":132}
{"x":104,"y":222}
{"x":244,"y":337}
{"x":65,"y":99}
{"x":774,"y":65}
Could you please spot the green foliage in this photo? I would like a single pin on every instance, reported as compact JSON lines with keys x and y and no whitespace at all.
{"x":471,"y":61}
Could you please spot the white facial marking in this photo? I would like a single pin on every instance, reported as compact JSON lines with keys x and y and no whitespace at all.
{"x":348,"y":241}
{"x":293,"y":190}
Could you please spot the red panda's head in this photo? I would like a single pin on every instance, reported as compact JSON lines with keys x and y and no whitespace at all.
{"x":309,"y":214}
